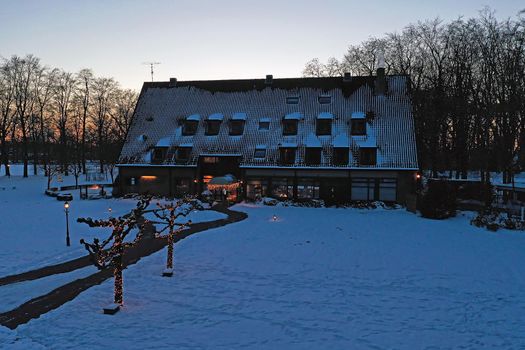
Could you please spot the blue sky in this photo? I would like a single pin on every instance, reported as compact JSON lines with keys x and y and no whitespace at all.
{"x":204,"y":39}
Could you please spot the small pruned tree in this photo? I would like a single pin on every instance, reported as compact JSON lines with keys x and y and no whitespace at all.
{"x":110,"y":252}
{"x":169,"y":214}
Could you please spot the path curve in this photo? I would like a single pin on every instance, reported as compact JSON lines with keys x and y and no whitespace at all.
{"x":59,"y":296}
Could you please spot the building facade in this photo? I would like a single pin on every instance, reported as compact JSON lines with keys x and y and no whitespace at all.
{"x":337,"y":139}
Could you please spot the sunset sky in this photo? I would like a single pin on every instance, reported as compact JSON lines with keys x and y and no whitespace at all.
{"x":204,"y":39}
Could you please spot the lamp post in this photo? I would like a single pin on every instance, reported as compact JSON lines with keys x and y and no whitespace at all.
{"x":66,"y":209}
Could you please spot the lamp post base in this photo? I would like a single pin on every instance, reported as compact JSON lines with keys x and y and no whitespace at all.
{"x":167,"y":273}
{"x":111,"y":309}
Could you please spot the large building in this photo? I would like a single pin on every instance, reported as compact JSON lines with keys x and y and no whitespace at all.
{"x":337,"y":139}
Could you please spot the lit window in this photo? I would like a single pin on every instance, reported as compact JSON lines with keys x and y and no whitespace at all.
{"x":210,"y":160}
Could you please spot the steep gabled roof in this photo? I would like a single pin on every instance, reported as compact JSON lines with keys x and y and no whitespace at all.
{"x":391,"y":129}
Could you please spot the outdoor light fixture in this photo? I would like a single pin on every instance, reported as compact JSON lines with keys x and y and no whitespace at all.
{"x":66,"y":209}
{"x":274,"y":218}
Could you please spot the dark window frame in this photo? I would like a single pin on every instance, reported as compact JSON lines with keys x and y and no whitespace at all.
{"x":287,"y":155}
{"x":358,"y":127}
{"x":159,"y":154}
{"x":312,"y":155}
{"x":213,"y":127}
{"x":256,"y":156}
{"x":236,"y":127}
{"x":323,"y":127}
{"x":368,"y":156}
{"x":190,"y":127}
{"x":265,"y":123}
{"x":187,"y":153}
{"x":290,"y":127}
{"x":341,"y":156}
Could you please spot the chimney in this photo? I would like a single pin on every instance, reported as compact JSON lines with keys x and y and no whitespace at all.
{"x":347,"y":77}
{"x":380,"y":82}
{"x":269,"y":79}
{"x":173,"y":82}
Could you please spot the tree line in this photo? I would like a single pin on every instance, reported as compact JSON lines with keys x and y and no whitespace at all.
{"x":467,"y":81}
{"x":51,"y":117}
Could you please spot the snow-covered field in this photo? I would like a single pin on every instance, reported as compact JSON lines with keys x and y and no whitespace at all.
{"x":313,"y":279}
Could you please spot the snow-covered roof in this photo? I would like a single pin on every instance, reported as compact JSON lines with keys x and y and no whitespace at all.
{"x":239,"y":116}
{"x":164,"y":142}
{"x":294,"y":116}
{"x":341,"y":140}
{"x":325,"y":115}
{"x":312,"y":141}
{"x":288,"y":145}
{"x":260,"y":146}
{"x":265,"y":120}
{"x":391,"y":130}
{"x":215,"y":116}
{"x":358,"y":115}
{"x":194,"y":117}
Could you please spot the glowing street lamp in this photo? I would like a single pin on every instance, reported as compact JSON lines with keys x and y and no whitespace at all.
{"x":66,"y":209}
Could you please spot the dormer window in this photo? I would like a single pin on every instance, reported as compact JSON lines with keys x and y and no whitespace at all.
{"x":183,"y":153}
{"x":358,"y":124}
{"x":190,"y":124}
{"x":260,"y":152}
{"x":368,"y":156}
{"x":237,"y":124}
{"x":189,"y":127}
{"x":287,"y":154}
{"x":290,"y":122}
{"x":236,"y":127}
{"x":290,"y":127}
{"x":213,"y":124}
{"x":323,"y":124}
{"x":324,"y":99}
{"x":292,"y":100}
{"x":264,"y":124}
{"x":313,"y":156}
{"x":159,"y":153}
{"x":340,"y":156}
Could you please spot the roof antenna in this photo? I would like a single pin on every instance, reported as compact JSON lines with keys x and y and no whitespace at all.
{"x":151,"y":64}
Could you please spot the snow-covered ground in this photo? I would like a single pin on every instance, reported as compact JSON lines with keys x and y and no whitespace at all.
{"x":313,"y":279}
{"x":33,"y":225}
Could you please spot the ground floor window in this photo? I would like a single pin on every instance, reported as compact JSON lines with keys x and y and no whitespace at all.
{"x":307,"y":188}
{"x":282,"y":188}
{"x":182,"y":185}
{"x":367,"y":189}
{"x":256,"y":188}
{"x":388,"y":190}
{"x":363,"y":189}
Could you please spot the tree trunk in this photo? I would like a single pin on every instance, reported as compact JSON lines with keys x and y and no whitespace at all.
{"x":117,"y":270}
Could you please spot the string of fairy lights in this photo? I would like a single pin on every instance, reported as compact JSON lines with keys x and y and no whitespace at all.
{"x":168,"y":213}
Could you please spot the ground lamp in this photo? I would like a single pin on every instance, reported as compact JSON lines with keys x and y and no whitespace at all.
{"x":274,"y":218}
{"x":66,"y":210}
